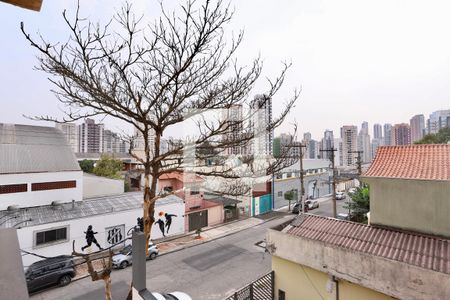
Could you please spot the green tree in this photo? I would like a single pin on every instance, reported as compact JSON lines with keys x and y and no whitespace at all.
{"x":87,"y":165}
{"x":442,"y":137}
{"x":289,"y":196}
{"x":109,"y":167}
{"x":359,"y":204}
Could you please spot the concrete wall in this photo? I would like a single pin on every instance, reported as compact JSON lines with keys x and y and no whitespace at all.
{"x":96,"y":186}
{"x":417,"y":205}
{"x":303,"y":283}
{"x":100,"y":224}
{"x":392,"y":278}
{"x":38,"y":198}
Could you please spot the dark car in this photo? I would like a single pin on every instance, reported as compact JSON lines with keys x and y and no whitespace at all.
{"x":57,"y":270}
{"x":297,"y":208}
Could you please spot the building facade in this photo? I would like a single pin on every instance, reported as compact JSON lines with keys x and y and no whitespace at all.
{"x":438,"y":120}
{"x":417,"y":125}
{"x":401,"y":134}
{"x":349,"y":145}
{"x":377,"y":131}
{"x":387,"y":134}
{"x":261,"y":110}
{"x":70,"y":132}
{"x":90,"y":137}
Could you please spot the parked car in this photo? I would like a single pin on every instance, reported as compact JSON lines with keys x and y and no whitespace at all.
{"x":172,"y":296}
{"x":343,"y":216}
{"x":340,"y":195}
{"x":124,"y":258}
{"x":57,"y":270}
{"x":312,"y":204}
{"x":297,"y":208}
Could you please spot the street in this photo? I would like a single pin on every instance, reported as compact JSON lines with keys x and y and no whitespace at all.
{"x":211,"y":270}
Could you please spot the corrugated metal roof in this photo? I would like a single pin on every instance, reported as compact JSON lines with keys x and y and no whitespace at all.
{"x":81,"y":209}
{"x":32,"y":149}
{"x":427,"y":162}
{"x":416,"y":249}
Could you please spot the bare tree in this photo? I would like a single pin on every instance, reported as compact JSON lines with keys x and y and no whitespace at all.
{"x":158,"y":75}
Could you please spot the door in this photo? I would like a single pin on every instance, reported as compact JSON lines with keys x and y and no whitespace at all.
{"x":198,"y":220}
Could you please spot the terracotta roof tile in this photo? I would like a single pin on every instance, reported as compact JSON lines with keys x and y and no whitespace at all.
{"x":416,"y":249}
{"x":428,"y":162}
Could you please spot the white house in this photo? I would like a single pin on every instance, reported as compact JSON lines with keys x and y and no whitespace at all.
{"x":37,"y":167}
{"x":41,"y":195}
{"x":50,"y":229}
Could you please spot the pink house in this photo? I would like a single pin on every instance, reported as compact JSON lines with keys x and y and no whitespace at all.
{"x":198,"y":211}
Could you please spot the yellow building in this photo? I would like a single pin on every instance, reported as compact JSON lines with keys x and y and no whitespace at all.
{"x":403,"y":255}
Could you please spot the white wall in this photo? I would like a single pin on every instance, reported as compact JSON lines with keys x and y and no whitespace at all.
{"x":38,"y":198}
{"x":99,"y":223}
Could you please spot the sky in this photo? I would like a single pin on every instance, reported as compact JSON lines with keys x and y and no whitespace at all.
{"x":377,"y":61}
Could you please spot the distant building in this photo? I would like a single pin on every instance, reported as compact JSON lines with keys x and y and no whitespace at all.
{"x":377,"y":131}
{"x":364,"y":143}
{"x":387,"y":134}
{"x":327,"y":143}
{"x":314,"y":149}
{"x":438,"y":120}
{"x":261,"y":108}
{"x":349,"y":138}
{"x":70,"y":132}
{"x":112,"y":143}
{"x":417,"y":124}
{"x":338,"y":159}
{"x":374,"y":146}
{"x":401,"y":134}
{"x":234,"y":118}
{"x":90,"y":137}
{"x":285,"y":145}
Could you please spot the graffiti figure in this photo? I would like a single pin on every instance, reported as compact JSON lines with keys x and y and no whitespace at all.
{"x":161,"y":226}
{"x":90,"y":238}
{"x":169,"y":221}
{"x":140,"y":222}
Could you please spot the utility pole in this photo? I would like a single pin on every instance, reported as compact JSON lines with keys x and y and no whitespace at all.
{"x":331,"y":151}
{"x":302,"y":185}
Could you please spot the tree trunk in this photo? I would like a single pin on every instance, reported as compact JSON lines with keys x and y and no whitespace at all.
{"x":107,"y":280}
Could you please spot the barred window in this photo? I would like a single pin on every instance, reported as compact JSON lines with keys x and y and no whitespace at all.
{"x":13,"y":188}
{"x":51,"y":236}
{"x":56,"y":185}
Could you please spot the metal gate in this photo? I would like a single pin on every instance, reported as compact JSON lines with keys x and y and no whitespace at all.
{"x":198,"y":220}
{"x":261,"y":289}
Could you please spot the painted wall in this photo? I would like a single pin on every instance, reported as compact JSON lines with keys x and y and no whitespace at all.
{"x":96,"y":186}
{"x":100,"y":224}
{"x":261,"y":204}
{"x":301,"y":282}
{"x":417,"y":205}
{"x":38,"y":198}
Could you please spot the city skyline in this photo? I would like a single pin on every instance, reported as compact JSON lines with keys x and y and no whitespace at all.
{"x":407,"y":78}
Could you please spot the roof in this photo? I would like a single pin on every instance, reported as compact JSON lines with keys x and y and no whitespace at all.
{"x":416,"y":249}
{"x":32,"y":216}
{"x":426,"y":162}
{"x":187,"y":177}
{"x":34,"y":149}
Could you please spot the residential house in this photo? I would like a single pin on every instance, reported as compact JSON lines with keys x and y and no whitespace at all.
{"x":403,"y":252}
{"x":198,"y":211}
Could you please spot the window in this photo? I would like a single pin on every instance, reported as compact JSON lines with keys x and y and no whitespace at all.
{"x":56,"y":185}
{"x":50,"y":236}
{"x":281,"y":295}
{"x":195,"y":192}
{"x":13,"y":188}
{"x":280,"y":194}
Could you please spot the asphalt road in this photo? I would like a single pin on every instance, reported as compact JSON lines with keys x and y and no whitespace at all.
{"x":211,"y":270}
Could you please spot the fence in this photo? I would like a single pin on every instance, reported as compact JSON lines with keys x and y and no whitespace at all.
{"x":260,"y":289}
